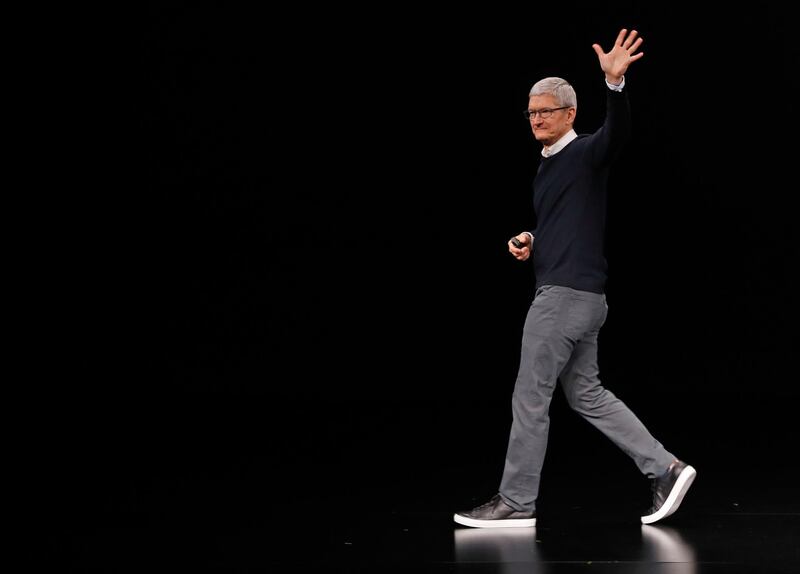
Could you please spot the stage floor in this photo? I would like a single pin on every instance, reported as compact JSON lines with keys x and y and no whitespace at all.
{"x":374,"y":490}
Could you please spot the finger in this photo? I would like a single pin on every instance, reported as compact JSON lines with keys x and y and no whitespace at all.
{"x":598,"y":50}
{"x":629,"y":40}
{"x":636,"y":44}
{"x":621,"y":36}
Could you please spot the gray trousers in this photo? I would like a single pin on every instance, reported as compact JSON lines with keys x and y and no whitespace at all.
{"x":559,"y":343}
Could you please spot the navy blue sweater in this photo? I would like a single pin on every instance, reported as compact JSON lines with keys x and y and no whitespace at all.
{"x":569,"y":199}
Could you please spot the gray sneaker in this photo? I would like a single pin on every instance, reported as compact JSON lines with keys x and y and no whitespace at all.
{"x":669,"y":490}
{"x":495,"y":514}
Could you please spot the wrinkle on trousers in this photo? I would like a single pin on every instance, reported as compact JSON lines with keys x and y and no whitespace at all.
{"x":559,"y":343}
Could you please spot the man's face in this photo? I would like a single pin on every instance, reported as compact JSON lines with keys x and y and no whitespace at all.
{"x":548,"y":130}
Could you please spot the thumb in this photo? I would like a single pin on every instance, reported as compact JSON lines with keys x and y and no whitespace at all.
{"x":598,"y":50}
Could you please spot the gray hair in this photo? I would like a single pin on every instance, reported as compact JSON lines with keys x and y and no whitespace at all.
{"x":561,"y":89}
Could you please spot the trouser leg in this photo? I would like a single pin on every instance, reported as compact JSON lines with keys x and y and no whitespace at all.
{"x":581,"y":384}
{"x":545,"y":350}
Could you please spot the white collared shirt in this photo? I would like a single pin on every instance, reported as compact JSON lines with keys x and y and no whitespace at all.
{"x":547,"y":151}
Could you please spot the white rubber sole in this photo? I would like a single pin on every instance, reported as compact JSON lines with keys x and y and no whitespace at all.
{"x":675,"y":497}
{"x":507,"y":523}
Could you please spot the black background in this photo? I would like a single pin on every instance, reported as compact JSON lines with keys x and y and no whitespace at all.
{"x":330,"y":195}
{"x":319,"y":283}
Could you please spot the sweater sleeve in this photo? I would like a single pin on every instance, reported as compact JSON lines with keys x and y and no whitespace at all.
{"x":607,"y":142}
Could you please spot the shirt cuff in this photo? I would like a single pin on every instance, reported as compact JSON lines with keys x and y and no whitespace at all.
{"x":617,"y":88}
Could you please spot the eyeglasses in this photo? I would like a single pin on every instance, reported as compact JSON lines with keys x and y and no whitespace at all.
{"x":543,"y":113}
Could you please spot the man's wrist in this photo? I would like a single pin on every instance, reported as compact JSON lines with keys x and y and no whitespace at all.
{"x":616,"y":86}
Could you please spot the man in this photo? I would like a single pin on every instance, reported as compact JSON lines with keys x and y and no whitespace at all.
{"x":559,"y":341}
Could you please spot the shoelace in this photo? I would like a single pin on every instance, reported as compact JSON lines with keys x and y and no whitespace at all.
{"x":488,"y":504}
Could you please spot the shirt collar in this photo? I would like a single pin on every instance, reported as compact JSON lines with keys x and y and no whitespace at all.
{"x":552,"y":150}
